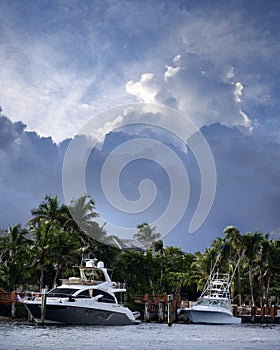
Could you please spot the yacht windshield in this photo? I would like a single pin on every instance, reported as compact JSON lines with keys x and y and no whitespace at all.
{"x":103,"y":296}
{"x":61,"y":292}
{"x":212,"y":302}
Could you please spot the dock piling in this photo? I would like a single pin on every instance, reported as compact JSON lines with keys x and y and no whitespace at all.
{"x":43,"y":305}
{"x":13,"y":303}
{"x":169,"y":309}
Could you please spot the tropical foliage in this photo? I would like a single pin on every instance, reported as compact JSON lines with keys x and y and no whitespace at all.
{"x":146,"y":234}
{"x":59,"y":236}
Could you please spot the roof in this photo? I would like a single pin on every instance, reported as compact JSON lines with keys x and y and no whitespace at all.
{"x":125,"y":243}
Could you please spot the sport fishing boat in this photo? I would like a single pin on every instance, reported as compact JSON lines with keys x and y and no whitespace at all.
{"x":214,"y":304}
{"x":86,"y":300}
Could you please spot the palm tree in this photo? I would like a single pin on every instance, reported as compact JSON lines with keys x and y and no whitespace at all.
{"x":272,"y":268}
{"x":44,"y":249}
{"x":146,"y":234}
{"x":83,"y":214}
{"x":157,"y":247}
{"x":14,"y":241}
{"x":50,"y":210}
{"x":201,"y":267}
{"x":14,"y":249}
{"x":66,"y":250}
{"x":262,"y":264}
{"x":83,"y":210}
{"x":252,"y":243}
{"x":236,"y":241}
{"x":221,"y":252}
{"x":96,"y":232}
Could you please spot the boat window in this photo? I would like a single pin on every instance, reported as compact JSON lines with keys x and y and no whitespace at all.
{"x":84,"y":294}
{"x":106,"y":297}
{"x":61,"y":292}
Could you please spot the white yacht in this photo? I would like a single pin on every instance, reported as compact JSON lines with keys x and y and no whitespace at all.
{"x":86,"y":300}
{"x":214,"y":304}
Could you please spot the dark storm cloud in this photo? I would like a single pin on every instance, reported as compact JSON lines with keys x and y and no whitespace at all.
{"x":30,"y":168}
{"x":9,"y":132}
{"x":248,"y":186}
{"x":247,"y":196}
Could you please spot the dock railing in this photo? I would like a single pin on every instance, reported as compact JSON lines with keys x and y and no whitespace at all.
{"x":257,"y":314}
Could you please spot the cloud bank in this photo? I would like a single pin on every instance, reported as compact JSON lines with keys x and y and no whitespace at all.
{"x":30,"y":168}
{"x":247,"y":183}
{"x":63,"y":62}
{"x":188,"y":89}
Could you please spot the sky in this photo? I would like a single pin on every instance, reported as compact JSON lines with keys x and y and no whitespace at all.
{"x":181,"y":97}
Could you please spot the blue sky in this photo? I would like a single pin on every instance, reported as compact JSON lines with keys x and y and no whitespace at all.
{"x":63,"y":63}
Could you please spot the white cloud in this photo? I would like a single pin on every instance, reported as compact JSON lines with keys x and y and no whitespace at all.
{"x":203,"y":98}
{"x":145,"y":89}
{"x":65,"y":63}
{"x":177,"y":58}
{"x":230,"y":73}
{"x":238,"y":92}
{"x":35,"y":89}
{"x":100,"y":133}
{"x":171,"y":72}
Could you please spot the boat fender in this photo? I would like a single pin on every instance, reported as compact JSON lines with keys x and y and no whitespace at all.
{"x":146,"y":313}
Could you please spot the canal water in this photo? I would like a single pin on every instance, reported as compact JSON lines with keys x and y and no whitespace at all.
{"x":148,"y":336}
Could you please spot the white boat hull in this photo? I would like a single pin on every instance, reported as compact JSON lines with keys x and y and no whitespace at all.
{"x":193,"y":315}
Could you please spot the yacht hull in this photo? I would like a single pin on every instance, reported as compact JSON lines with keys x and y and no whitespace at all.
{"x":208,"y":317}
{"x":77,"y":315}
{"x":89,"y":299}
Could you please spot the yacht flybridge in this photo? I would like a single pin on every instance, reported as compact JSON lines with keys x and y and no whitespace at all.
{"x":86,"y":300}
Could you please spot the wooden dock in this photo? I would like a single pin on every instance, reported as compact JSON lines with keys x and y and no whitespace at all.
{"x":254,"y":314}
{"x":154,"y":308}
{"x":12,"y":303}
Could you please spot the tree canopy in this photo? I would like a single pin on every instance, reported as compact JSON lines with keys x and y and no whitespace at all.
{"x":44,"y":252}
